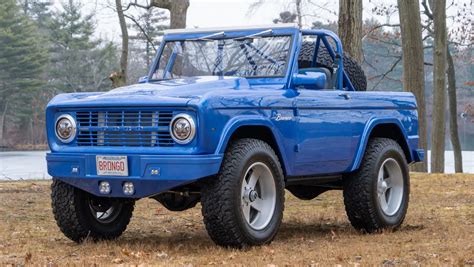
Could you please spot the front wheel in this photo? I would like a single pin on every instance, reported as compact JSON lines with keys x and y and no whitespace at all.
{"x":80,"y":215}
{"x":243,"y":205}
{"x":376,"y":196}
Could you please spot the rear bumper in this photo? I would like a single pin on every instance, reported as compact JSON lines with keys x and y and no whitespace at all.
{"x":150,"y":174}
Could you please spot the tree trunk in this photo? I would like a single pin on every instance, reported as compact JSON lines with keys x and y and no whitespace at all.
{"x":453,"y":113}
{"x":178,"y":11}
{"x":26,"y":7}
{"x":413,"y":66}
{"x":2,"y":124}
{"x":439,"y":92}
{"x":298,"y":13}
{"x":350,"y":27}
{"x":120,"y":78}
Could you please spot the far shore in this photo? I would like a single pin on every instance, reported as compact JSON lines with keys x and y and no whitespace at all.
{"x":27,"y":147}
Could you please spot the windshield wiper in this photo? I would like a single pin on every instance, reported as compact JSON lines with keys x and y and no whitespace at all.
{"x":258,"y":34}
{"x":212,"y":37}
{"x":209,"y":37}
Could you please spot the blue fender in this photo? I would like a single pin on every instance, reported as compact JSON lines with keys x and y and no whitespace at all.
{"x":252,"y":120}
{"x":365,"y":138}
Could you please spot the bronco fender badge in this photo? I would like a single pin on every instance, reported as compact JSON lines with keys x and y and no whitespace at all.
{"x":279,"y":117}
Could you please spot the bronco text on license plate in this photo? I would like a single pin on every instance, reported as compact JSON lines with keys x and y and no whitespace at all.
{"x":112,"y":165}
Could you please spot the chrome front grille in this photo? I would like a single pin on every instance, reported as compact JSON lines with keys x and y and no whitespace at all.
{"x":136,"y":128}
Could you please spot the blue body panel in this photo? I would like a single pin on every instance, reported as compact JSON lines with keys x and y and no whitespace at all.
{"x":317,"y":132}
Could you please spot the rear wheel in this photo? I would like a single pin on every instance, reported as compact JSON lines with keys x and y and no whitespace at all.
{"x":244,"y":204}
{"x":80,"y":215}
{"x":376,"y":196}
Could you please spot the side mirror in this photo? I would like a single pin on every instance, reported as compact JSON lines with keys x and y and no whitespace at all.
{"x":309,"y":80}
{"x":143,"y":79}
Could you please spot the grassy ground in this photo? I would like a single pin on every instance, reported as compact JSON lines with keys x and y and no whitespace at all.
{"x":439,"y":229}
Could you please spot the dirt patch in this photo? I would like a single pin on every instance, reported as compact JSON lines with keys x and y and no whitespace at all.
{"x":439,"y":229}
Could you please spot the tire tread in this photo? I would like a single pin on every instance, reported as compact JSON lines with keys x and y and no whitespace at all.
{"x":358,"y":193}
{"x":219,"y":219}
{"x":70,"y":220}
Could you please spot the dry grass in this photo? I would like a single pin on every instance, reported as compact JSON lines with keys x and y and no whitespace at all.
{"x":439,"y":230}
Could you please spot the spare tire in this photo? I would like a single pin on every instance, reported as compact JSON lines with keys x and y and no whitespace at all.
{"x":353,"y":69}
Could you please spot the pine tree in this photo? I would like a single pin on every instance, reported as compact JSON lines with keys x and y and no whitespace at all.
{"x":40,"y":12}
{"x":22,"y":58}
{"x":79,"y":63}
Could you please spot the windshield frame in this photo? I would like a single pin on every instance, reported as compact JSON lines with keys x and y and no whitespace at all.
{"x":291,"y":32}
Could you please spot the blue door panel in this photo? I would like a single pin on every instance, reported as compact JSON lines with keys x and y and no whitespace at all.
{"x":324,"y":132}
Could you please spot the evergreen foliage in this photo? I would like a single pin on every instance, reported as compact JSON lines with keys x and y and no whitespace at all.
{"x":22,"y":60}
{"x":78,"y":62}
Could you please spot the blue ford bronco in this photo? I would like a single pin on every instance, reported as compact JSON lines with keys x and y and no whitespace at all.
{"x":231,"y":118}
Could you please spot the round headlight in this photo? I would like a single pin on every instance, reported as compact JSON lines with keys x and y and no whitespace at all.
{"x":182,"y":128}
{"x":65,"y":128}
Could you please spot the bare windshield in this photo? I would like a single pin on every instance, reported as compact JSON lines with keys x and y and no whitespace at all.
{"x":249,"y":57}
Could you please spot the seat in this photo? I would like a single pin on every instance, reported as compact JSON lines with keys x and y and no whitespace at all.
{"x":326,"y":71}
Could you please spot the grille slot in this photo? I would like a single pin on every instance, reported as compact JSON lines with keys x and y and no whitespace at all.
{"x":140,"y":128}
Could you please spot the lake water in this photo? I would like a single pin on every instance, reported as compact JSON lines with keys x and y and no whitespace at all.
{"x":25,"y":165}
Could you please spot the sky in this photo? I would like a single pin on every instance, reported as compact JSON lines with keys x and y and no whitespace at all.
{"x":218,"y":13}
{"x":207,"y":13}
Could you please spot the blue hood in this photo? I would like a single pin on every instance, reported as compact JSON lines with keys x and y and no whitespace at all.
{"x":176,"y":92}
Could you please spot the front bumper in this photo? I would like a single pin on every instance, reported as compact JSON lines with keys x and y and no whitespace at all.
{"x":150,"y":174}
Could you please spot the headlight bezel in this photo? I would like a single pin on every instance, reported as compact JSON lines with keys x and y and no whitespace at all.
{"x":192,"y":124}
{"x":73,"y":126}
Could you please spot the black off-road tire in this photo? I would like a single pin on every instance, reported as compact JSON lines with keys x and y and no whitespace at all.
{"x":221,"y":196}
{"x":360,"y":188}
{"x":73,"y":216}
{"x":353,"y":69}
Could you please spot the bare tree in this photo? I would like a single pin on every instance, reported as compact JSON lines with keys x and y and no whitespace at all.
{"x":178,"y":10}
{"x":462,"y":33}
{"x":453,"y":113}
{"x":120,"y":78}
{"x":299,"y":8}
{"x":299,"y":16}
{"x":350,"y":27}
{"x":439,"y":93}
{"x":413,"y":65}
{"x":3,"y":115}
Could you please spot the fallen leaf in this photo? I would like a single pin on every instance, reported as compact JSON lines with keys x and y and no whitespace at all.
{"x":28,"y":257}
{"x":138,"y":254}
{"x":162,"y":254}
{"x":333,"y":235}
{"x":117,"y":261}
{"x":126,"y":252}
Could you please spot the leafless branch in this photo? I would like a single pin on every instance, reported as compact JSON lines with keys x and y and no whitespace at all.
{"x":378,"y":27}
{"x":166,"y":4}
{"x":383,"y":75}
{"x":142,"y":30}
{"x":383,"y":41}
{"x":426,"y":9}
{"x":318,"y":5}
{"x":254,"y":7}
